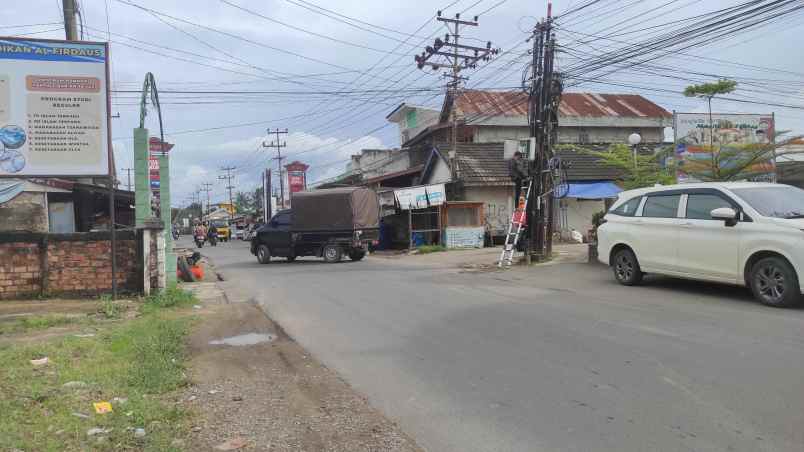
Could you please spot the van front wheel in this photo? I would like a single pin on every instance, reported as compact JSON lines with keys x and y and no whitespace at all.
{"x":774,"y":283}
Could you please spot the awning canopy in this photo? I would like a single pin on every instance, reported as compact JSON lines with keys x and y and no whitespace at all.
{"x":9,"y":189}
{"x":593,"y":190}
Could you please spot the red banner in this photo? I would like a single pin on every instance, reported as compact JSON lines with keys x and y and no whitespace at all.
{"x":296,"y":182}
{"x":155,"y":145}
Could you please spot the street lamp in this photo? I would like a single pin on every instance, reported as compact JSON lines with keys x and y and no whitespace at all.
{"x":634,"y":139}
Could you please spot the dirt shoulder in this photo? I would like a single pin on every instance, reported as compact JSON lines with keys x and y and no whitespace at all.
{"x":273,"y":395}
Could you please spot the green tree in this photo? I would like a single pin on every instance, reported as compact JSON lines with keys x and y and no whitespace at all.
{"x":244,"y":202}
{"x":708,"y":91}
{"x":648,"y":170}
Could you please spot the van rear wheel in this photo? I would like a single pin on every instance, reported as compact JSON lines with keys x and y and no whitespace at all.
{"x":626,"y":268}
{"x":332,"y":254}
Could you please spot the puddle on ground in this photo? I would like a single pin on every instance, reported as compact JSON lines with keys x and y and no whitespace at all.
{"x":244,"y":339}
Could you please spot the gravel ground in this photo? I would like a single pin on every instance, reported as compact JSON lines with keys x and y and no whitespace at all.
{"x":273,"y":395}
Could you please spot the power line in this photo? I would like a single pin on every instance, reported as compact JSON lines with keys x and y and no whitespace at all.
{"x":303,"y":30}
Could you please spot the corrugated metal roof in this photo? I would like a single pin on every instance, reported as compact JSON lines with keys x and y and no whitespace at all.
{"x":482,"y":164}
{"x":515,"y":103}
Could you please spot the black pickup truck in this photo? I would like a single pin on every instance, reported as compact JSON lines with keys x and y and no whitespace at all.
{"x":327,"y":223}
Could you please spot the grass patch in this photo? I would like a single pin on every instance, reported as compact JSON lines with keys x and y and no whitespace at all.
{"x":140,"y":360}
{"x":169,"y":298}
{"x":41,"y":322}
{"x":109,"y":308}
{"x":427,"y":249}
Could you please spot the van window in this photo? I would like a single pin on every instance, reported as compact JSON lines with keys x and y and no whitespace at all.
{"x":628,"y":208}
{"x":700,"y":206}
{"x":661,"y":206}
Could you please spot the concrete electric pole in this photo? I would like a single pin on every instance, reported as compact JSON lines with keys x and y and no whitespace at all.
{"x":544,"y":96}
{"x":208,"y":189}
{"x":457,"y":57}
{"x":70,"y":9}
{"x":228,"y":178}
{"x":278,"y":145}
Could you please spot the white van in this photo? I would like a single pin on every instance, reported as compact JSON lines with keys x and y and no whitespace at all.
{"x":744,"y":233}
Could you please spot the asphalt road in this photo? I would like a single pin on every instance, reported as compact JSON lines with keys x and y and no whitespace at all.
{"x":554,"y":358}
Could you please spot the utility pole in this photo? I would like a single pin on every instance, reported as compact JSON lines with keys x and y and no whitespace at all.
{"x":228,"y":178}
{"x":70,"y":28}
{"x":128,"y":177}
{"x":208,"y":189}
{"x":278,"y":145}
{"x":544,"y":96}
{"x":456,"y":57}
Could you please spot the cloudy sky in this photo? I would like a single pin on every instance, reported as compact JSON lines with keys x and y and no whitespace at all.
{"x":330,"y":71}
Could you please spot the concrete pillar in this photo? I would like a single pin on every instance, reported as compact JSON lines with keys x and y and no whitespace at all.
{"x":165,"y":212}
{"x":146,"y":258}
{"x":142,"y":184}
{"x":160,"y":260}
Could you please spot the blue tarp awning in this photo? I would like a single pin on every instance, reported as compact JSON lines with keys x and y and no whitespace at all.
{"x":9,"y":189}
{"x":593,"y":190}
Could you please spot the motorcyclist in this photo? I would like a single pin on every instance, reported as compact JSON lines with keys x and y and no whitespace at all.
{"x":212,"y":234}
{"x":200,"y":231}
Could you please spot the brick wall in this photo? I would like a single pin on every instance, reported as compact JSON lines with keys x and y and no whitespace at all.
{"x":80,"y":263}
{"x":26,"y":212}
{"x":19,"y":269}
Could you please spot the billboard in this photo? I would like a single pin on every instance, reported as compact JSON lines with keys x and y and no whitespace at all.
{"x":54,"y":108}
{"x":730,"y":134}
{"x":421,"y":197}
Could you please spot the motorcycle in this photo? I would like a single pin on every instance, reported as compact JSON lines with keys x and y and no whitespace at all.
{"x":213,"y":239}
{"x":199,"y":240}
{"x":175,"y":234}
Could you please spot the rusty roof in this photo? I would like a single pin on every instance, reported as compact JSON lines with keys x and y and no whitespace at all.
{"x":515,"y":103}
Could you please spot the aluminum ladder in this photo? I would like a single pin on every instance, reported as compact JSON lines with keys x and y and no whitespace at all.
{"x":518,"y":220}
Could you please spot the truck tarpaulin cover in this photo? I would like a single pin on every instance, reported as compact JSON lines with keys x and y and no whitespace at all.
{"x":335,"y":209}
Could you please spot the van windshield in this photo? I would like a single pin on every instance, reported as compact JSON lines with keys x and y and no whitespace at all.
{"x":783,"y":201}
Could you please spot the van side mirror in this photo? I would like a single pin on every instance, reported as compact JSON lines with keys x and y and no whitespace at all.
{"x":726,"y":214}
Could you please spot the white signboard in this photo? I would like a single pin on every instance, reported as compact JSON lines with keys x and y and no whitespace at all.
{"x":421,"y":197}
{"x":54,"y":108}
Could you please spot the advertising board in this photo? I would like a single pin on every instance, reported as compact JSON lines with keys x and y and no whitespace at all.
{"x":731,"y":134}
{"x":54,"y":108}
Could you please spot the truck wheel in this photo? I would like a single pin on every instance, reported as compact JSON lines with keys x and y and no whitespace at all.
{"x":356,"y":255}
{"x":332,"y":254}
{"x":263,"y":254}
